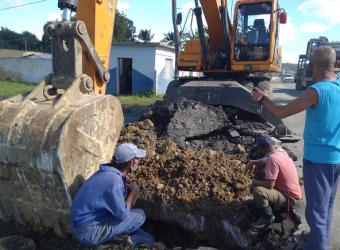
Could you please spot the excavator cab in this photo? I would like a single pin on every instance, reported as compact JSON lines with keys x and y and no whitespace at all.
{"x":255,"y":45}
{"x":233,"y":57}
{"x":248,"y":45}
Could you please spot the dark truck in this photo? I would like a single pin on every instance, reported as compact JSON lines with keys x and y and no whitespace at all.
{"x":303,"y":76}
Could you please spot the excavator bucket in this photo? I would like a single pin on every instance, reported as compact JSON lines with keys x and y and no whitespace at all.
{"x":49,"y":145}
{"x":55,"y":137}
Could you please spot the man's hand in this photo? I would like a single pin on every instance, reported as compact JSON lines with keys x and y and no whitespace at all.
{"x":133,"y":187}
{"x":133,"y":194}
{"x":249,"y":167}
{"x":257,"y":94}
{"x":252,"y":163}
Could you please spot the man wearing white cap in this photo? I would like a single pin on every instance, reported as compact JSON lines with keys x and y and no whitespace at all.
{"x":102,"y":209}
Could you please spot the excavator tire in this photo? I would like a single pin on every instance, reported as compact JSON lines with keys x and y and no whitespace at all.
{"x":49,"y":146}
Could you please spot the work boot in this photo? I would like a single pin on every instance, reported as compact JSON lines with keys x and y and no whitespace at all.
{"x":122,"y":239}
{"x":265,"y":220}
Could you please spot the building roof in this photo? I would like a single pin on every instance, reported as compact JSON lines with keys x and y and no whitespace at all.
{"x":142,"y":44}
{"x":11,"y":53}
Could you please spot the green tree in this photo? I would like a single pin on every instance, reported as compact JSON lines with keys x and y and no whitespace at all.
{"x":32,"y":42}
{"x":12,"y":40}
{"x":145,"y":35}
{"x":46,"y":43}
{"x":169,"y":38}
{"x":124,"y":30}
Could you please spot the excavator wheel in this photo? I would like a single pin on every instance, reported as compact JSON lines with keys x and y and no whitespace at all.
{"x":50,"y":143}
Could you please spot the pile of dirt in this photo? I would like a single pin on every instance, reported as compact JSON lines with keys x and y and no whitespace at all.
{"x":171,"y":174}
{"x":188,"y":182}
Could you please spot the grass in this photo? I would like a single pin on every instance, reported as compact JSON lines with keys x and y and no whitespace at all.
{"x":12,"y":88}
{"x":139,"y":100}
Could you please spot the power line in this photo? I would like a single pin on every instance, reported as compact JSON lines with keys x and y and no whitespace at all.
{"x":17,"y":6}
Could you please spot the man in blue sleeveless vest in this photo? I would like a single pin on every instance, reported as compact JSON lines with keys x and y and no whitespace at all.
{"x":102,"y":209}
{"x":321,"y":165}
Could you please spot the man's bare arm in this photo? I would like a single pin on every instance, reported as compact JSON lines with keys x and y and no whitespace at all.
{"x":265,"y":183}
{"x":133,"y":194}
{"x":307,"y":99}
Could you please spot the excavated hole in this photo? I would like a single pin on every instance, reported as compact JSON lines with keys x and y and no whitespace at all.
{"x":173,"y":235}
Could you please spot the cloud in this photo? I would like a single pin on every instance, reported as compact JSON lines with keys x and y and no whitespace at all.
{"x":9,"y":3}
{"x":54,"y":16}
{"x":327,"y":10}
{"x":288,"y":32}
{"x":289,"y":56}
{"x":122,"y":6}
{"x":313,"y":27}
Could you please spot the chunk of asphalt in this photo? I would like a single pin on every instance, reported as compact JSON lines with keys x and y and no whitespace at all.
{"x":233,"y":133}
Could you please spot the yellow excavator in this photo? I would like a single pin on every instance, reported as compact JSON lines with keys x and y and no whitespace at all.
{"x":232,"y":58}
{"x":54,"y":137}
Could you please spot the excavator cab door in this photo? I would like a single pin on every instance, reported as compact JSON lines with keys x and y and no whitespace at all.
{"x":252,"y":36}
{"x":255,"y":45}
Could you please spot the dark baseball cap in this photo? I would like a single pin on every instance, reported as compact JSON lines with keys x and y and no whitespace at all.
{"x":264,"y":141}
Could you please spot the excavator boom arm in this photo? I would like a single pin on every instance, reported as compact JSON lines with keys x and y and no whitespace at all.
{"x":99,"y":26}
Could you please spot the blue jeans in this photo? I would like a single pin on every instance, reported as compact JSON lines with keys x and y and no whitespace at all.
{"x":320,"y":182}
{"x":97,"y":233}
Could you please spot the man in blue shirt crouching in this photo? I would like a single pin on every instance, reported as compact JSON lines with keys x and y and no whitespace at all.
{"x":102,"y":209}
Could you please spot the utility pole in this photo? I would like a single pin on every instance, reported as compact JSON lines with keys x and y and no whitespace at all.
{"x":176,"y":35}
{"x":25,"y":45}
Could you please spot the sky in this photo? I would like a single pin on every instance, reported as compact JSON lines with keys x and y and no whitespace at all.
{"x":306,"y":19}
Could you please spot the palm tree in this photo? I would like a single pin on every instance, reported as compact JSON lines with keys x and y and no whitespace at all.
{"x":145,"y":35}
{"x":169,"y":38}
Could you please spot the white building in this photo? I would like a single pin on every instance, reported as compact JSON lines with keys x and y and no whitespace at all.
{"x":134,"y":67}
{"x":140,"y":68}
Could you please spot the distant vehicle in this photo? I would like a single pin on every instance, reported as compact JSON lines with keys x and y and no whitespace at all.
{"x":288,"y":78}
{"x":303,"y":77}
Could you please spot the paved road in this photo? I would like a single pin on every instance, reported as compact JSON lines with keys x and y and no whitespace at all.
{"x":282,"y":94}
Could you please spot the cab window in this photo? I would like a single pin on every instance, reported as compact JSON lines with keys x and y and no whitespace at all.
{"x":253,"y":31}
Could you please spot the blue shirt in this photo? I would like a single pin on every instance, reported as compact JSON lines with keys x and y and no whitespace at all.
{"x":322,"y":128}
{"x":101,"y":198}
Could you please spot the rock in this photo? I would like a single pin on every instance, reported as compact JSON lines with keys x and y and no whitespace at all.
{"x":160,"y":186}
{"x":196,"y":121}
{"x":17,"y":242}
{"x":159,"y":246}
{"x":240,"y":148}
{"x":233,"y":133}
